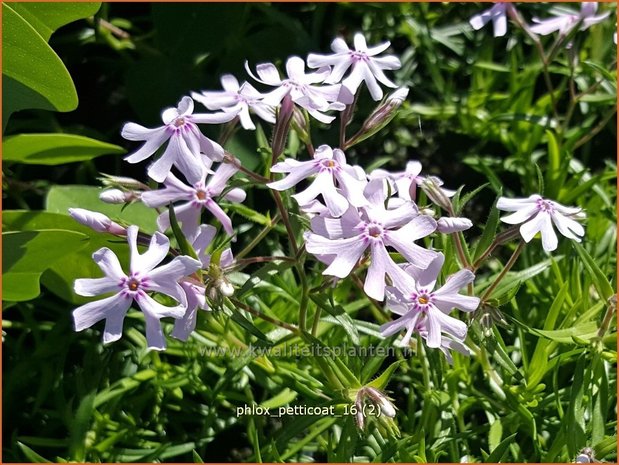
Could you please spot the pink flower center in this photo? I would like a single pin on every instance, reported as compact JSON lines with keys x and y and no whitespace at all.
{"x":545,"y":206}
{"x":422,"y":299}
{"x":178,"y":122}
{"x":329,"y":165}
{"x":133,"y":286}
{"x":358,"y":56}
{"x":201,"y":195}
{"x":374,"y":230}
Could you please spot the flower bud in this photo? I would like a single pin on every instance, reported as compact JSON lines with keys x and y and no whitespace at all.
{"x":282,"y":125}
{"x":122,"y":181}
{"x":96,"y":221}
{"x":300,"y":124}
{"x":432,"y":187}
{"x":117,"y":196}
{"x":386,"y":407}
{"x":380,"y":117}
{"x":449,"y":225}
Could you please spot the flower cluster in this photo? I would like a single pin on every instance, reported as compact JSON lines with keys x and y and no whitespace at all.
{"x":564,"y":21}
{"x":371,"y":223}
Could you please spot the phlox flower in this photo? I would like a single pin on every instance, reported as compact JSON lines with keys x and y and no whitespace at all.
{"x":237,"y":99}
{"x":345,"y":239}
{"x":497,"y":13}
{"x":330,"y":167}
{"x":198,"y":196}
{"x":302,"y":88}
{"x":196,"y":290}
{"x":366,"y":66}
{"x":425,"y":310}
{"x":185,"y":141}
{"x":144,"y":276}
{"x":538,"y":215}
{"x":565,"y":22}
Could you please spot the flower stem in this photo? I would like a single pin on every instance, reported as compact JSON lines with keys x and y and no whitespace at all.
{"x":261,"y":235}
{"x":501,"y":275}
{"x":259,"y":314}
{"x":498,"y":240}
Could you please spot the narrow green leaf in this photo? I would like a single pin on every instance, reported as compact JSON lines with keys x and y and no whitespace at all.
{"x":499,"y":452}
{"x":54,"y":149}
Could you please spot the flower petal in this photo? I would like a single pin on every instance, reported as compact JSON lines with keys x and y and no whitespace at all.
{"x":347,"y":252}
{"x":91,"y":287}
{"x":88,"y":314}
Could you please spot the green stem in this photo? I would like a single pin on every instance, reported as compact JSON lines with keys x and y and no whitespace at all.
{"x":261,"y":235}
{"x":501,"y":275}
{"x":259,"y":314}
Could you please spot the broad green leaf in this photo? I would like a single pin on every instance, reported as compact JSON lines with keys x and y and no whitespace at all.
{"x":27,"y":254}
{"x":495,"y":434}
{"x":54,"y":149}
{"x":62,"y":273}
{"x":61,"y":198}
{"x":33,"y":75}
{"x":46,"y":17}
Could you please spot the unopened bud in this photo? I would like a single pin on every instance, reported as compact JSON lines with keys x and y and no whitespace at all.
{"x":96,"y":221}
{"x":359,"y":416}
{"x":451,"y":225}
{"x":118,"y":196}
{"x":300,"y":124}
{"x":225,"y":287}
{"x":432,"y":187}
{"x":122,"y":181}
{"x":380,"y":117}
{"x":386,"y":407}
{"x":282,"y":125}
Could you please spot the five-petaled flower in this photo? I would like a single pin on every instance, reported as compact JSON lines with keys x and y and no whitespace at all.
{"x":144,"y":277}
{"x":237,"y":99}
{"x":425,"y":310}
{"x":373,"y":227}
{"x":366,"y":66}
{"x":565,"y":22}
{"x":186,"y":142}
{"x":302,"y":88}
{"x":538,"y":215}
{"x":197,"y":197}
{"x":497,"y":13}
{"x":329,"y":165}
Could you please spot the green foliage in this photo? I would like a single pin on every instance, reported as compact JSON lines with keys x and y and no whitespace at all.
{"x":54,"y":149}
{"x":33,"y":75}
{"x":540,"y":383}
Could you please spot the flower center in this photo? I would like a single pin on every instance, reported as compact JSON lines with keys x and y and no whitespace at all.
{"x":133,"y":284}
{"x":373,"y":230}
{"x":178,"y":122}
{"x":329,"y":165}
{"x":201,"y":195}
{"x":422,"y":299}
{"x":544,"y":206}
{"x":358,"y":56}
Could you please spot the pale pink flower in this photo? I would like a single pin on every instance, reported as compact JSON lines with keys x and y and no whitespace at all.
{"x":346,"y":239}
{"x":537,"y":215}
{"x":199,"y":196}
{"x":425,"y":310}
{"x":96,"y":221}
{"x":196,"y":290}
{"x":185,"y":141}
{"x":565,"y":22}
{"x":144,"y":277}
{"x":237,"y":99}
{"x":497,"y":13}
{"x":302,"y":88}
{"x":365,"y":65}
{"x":330,"y":167}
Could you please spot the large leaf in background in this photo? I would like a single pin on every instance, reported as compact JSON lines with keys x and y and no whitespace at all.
{"x":54,"y":149}
{"x":59,"y":277}
{"x":27,"y":254}
{"x":33,"y":75}
{"x":61,"y":198}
